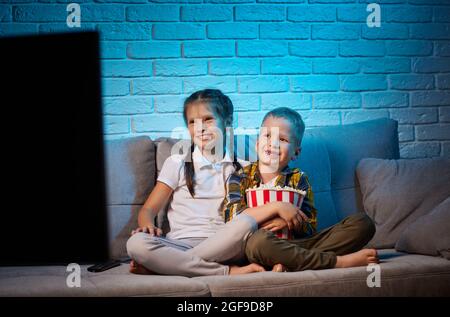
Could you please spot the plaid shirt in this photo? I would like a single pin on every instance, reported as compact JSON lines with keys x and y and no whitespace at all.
{"x":248,"y":177}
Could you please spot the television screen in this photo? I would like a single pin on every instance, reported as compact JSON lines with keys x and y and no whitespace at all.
{"x":53,"y":187}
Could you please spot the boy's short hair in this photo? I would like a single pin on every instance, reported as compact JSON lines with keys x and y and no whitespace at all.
{"x":294,"y":118}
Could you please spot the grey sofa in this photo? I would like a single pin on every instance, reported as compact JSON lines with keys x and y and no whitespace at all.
{"x":330,"y":156}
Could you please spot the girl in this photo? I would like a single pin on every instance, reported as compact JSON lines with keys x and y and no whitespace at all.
{"x":199,"y":242}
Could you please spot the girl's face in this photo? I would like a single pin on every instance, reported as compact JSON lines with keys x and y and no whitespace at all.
{"x":205,"y":128}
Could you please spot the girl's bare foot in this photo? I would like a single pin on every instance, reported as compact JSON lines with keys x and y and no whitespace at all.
{"x":251,"y":268}
{"x":279,"y":268}
{"x":360,"y":258}
{"x":137,"y":268}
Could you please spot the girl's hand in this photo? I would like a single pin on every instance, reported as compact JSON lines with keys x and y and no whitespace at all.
{"x":274,"y":224}
{"x":151,"y":230}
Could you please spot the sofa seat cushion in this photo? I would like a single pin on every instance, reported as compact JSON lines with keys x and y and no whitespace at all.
{"x":401,"y":275}
{"x":51,"y":281}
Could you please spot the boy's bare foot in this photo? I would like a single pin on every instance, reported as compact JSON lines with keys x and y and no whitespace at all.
{"x":279,"y":268}
{"x":251,"y":268}
{"x":360,"y":258}
{"x":137,"y":268}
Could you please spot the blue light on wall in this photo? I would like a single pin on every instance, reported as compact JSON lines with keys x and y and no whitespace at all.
{"x":319,"y":57}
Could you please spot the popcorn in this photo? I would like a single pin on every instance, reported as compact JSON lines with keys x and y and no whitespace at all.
{"x":278,"y":187}
{"x":265,"y":193}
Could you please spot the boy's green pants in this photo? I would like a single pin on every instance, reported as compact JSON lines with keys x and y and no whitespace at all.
{"x":316,"y":252}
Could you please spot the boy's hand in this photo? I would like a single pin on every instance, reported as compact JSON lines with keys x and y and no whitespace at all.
{"x":274,"y":224}
{"x":150,"y":229}
{"x":304,"y":219}
{"x":292,"y":215}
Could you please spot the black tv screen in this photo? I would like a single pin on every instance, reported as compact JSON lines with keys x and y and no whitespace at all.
{"x":52,"y":184}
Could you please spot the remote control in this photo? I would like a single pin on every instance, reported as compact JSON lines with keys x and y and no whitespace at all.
{"x":104,"y":266}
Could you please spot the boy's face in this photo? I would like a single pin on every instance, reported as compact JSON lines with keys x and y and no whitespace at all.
{"x":276,"y":146}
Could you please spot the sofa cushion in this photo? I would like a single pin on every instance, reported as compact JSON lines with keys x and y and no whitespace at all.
{"x":401,"y":275}
{"x":130,"y":177}
{"x":123,"y":221}
{"x":51,"y":281}
{"x":130,"y":166}
{"x":164,"y":150}
{"x":397,"y":192}
{"x":429,"y":234}
{"x":347,"y":145}
{"x":315,"y":162}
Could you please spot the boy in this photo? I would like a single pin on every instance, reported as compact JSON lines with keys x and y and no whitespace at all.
{"x":279,"y":142}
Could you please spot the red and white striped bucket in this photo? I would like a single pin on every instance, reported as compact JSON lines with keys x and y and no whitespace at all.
{"x":260,"y":196}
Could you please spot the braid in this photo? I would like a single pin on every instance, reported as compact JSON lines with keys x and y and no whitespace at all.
{"x":236,"y":164}
{"x":189,"y":172}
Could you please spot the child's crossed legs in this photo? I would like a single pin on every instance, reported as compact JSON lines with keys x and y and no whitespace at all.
{"x":336,"y":246}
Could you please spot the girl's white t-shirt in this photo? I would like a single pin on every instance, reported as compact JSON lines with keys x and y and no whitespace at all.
{"x":199,"y":217}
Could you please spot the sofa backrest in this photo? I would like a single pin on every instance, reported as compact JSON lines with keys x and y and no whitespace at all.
{"x":346,"y":146}
{"x":329,"y":158}
{"x":130,"y":177}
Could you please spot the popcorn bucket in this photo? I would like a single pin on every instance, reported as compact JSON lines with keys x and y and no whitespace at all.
{"x":260,"y":196}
